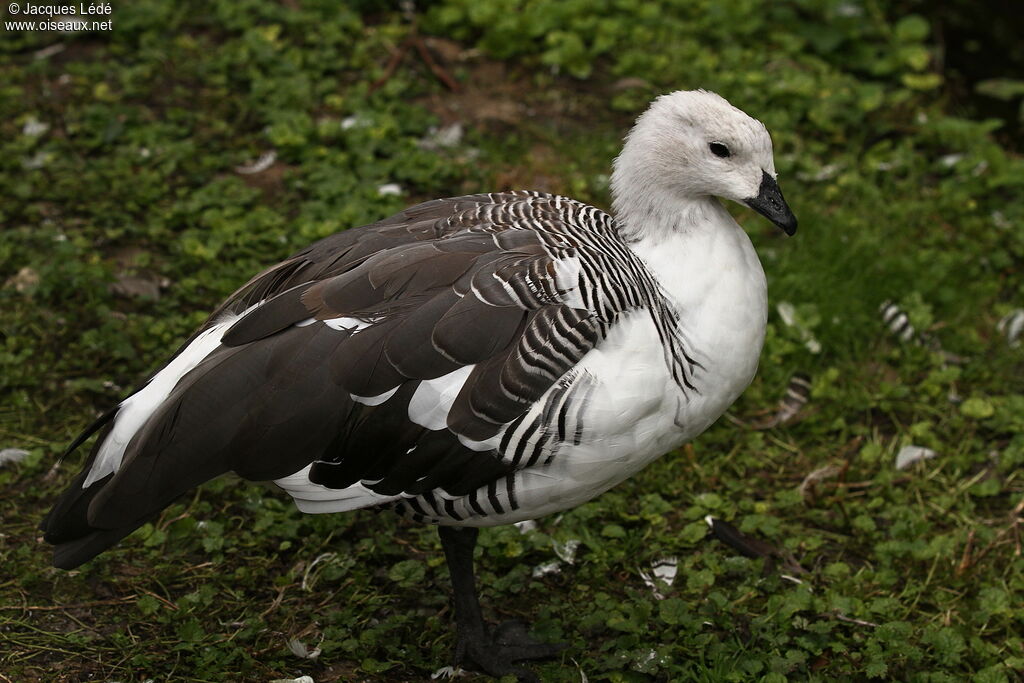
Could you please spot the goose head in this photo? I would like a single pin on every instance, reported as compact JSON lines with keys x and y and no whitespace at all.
{"x":692,"y":145}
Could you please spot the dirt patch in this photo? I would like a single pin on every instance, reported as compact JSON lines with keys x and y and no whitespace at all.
{"x":495,"y":96}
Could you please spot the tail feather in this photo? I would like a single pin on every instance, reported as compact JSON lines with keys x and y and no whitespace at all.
{"x":67,"y":520}
{"x":71,"y":554}
{"x":222,"y":415}
{"x":264,"y":413}
{"x":66,"y":526}
{"x":99,"y":422}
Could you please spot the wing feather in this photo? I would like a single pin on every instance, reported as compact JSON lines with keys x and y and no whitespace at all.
{"x":465,"y":282}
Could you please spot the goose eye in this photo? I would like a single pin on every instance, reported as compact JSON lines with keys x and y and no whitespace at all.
{"x":719,"y":149}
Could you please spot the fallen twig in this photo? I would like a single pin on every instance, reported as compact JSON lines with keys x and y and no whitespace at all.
{"x":80,"y":605}
{"x":965,"y":560}
{"x":1015,"y":526}
{"x":839,"y":616}
{"x":276,"y":603}
{"x":162,"y":599}
{"x":810,"y":482}
{"x":28,"y":437}
{"x":389,"y":69}
{"x":414,"y":40}
{"x":432,"y":64}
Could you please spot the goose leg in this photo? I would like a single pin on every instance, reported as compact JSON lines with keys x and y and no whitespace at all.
{"x":493,"y":651}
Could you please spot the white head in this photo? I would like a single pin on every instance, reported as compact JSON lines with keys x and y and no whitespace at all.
{"x":690,"y":146}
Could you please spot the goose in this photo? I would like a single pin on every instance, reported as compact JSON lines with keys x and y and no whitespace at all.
{"x":469,"y":362}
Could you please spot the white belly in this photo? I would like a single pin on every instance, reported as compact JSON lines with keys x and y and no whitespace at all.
{"x":636,"y":412}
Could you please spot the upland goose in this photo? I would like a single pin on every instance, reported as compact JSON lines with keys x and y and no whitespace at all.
{"x":468,"y":362}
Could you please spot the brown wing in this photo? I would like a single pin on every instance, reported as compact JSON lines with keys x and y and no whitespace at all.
{"x":470,"y":281}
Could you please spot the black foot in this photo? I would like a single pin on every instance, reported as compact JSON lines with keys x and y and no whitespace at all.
{"x":497,"y":652}
{"x":493,"y":650}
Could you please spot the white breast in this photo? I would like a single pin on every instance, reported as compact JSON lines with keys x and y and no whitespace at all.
{"x":716,"y":282}
{"x":637,"y":412}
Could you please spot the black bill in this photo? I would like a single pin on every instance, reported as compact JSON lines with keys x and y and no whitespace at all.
{"x":770,"y":203}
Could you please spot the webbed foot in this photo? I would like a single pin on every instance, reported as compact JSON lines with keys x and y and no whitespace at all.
{"x":497,"y":653}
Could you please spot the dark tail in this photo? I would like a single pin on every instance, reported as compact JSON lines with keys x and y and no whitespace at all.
{"x":85,"y":521}
{"x":66,"y":526}
{"x":263,"y":413}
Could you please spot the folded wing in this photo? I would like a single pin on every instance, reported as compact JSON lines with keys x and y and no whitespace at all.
{"x":386,"y":361}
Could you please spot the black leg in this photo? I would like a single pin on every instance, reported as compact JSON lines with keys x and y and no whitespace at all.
{"x":494,"y":652}
{"x":458,"y":544}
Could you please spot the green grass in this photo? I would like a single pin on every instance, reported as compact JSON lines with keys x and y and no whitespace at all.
{"x":912,"y":575}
